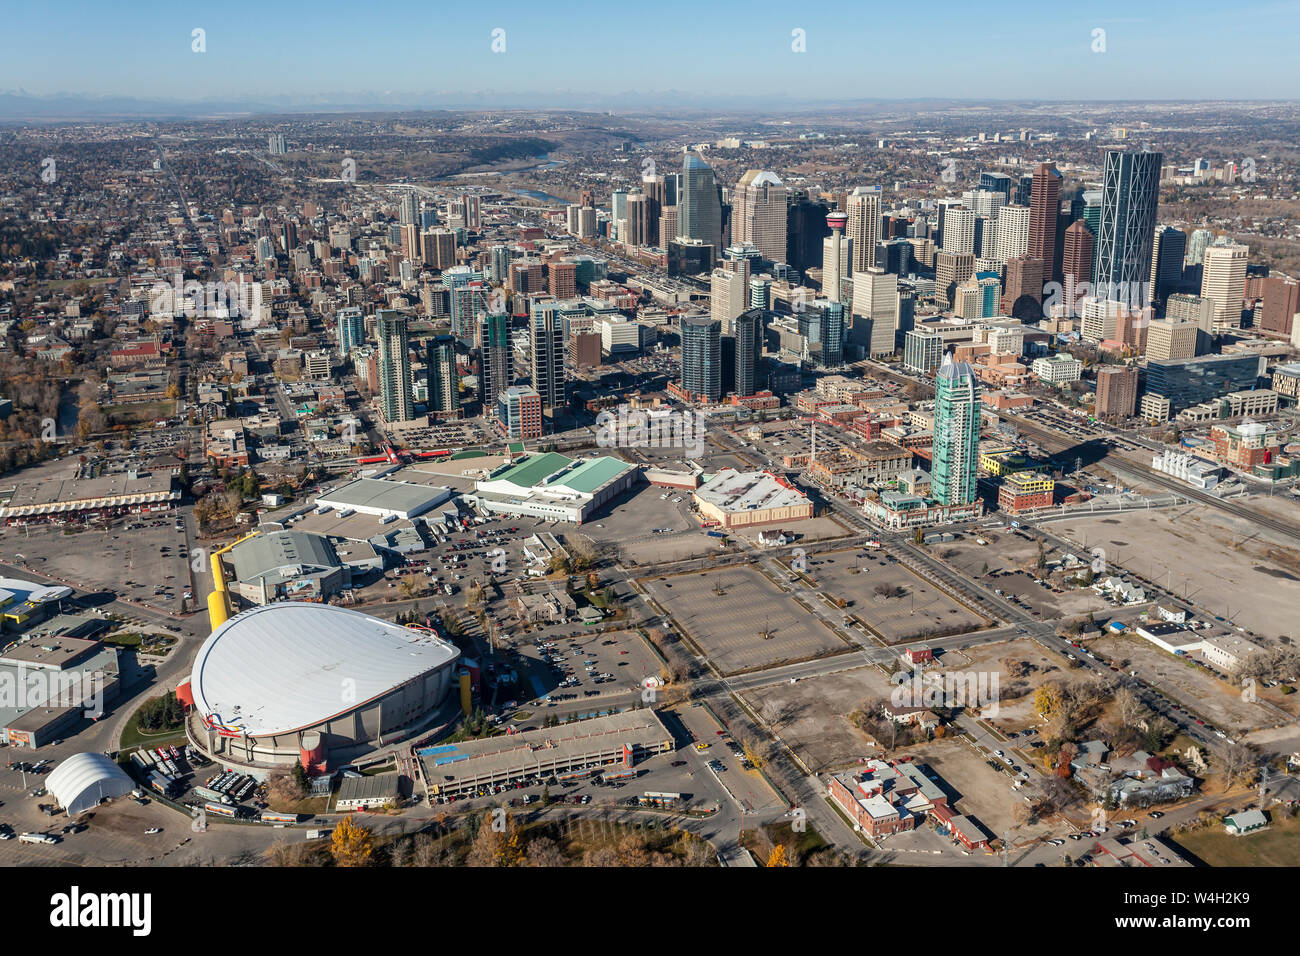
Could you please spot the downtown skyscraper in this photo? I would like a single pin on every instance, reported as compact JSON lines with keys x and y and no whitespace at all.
{"x":443,"y":377}
{"x":759,"y":214}
{"x":863,"y":209}
{"x":699,"y":207}
{"x":1126,"y":226}
{"x":496,"y":359}
{"x":548,"y":354}
{"x":395,"y":398}
{"x":956,"y":434}
{"x":701,"y":373}
{"x":1044,"y":213}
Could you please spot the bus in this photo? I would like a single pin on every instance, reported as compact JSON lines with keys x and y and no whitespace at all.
{"x":220,"y":809}
{"x":575,"y":774}
{"x":279,"y":817}
{"x":654,"y":798}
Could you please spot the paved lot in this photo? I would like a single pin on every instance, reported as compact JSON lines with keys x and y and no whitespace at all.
{"x":913,"y":608}
{"x":96,"y":561}
{"x":728,"y":612}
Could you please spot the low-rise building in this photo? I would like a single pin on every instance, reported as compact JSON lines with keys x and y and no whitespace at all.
{"x":1228,"y":652}
{"x":737,"y":499}
{"x":368,"y":792}
{"x":1025,"y":491}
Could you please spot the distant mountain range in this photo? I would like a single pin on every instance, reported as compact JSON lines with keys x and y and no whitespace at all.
{"x":18,"y":106}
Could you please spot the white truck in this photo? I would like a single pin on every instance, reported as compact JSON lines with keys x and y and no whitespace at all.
{"x":36,"y":838}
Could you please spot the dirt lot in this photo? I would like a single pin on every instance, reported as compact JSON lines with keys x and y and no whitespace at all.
{"x":1217,"y":701}
{"x":893,"y":601}
{"x":741,"y":620}
{"x":1231,"y":568}
{"x":975,"y":788}
{"x":812,"y":715}
{"x":1014,"y":713}
{"x":1002,"y":563}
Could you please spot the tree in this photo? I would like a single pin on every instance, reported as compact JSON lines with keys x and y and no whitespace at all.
{"x":777,"y":856}
{"x":353,"y":844}
{"x":493,"y":846}
{"x":1129,"y":706}
{"x":1047,"y":700}
{"x":543,"y":851}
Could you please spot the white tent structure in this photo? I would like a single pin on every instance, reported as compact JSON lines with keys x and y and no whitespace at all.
{"x":81,"y":781}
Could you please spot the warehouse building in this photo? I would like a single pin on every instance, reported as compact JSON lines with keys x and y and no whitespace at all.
{"x":368,"y":793}
{"x":67,"y":496}
{"x":742,"y":499}
{"x":554,"y":487}
{"x":384,"y":499}
{"x":49,"y":684}
{"x":295,"y":565}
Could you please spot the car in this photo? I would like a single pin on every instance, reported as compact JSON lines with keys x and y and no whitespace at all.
{"x":153,"y":830}
{"x":679,"y":763}
{"x":1156,"y":814}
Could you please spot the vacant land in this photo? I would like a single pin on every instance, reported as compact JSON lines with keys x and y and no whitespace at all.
{"x":1009,"y":562}
{"x":811,"y":716}
{"x":1234,"y":570}
{"x":1217,"y":701}
{"x":741,"y":620}
{"x":894,"y":602}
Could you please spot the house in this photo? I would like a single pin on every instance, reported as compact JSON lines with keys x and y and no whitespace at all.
{"x":1171,"y":615}
{"x":922,"y":717}
{"x":919,"y":655}
{"x":1145,"y":779}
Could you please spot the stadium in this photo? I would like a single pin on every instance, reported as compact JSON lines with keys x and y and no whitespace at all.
{"x":311,"y":682}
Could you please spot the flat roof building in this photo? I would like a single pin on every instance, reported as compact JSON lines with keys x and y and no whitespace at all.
{"x":375,"y":496}
{"x":554,"y":486}
{"x":616,"y":740}
{"x":748,"y":498}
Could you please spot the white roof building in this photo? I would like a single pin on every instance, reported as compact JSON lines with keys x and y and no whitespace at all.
{"x":83,"y":780}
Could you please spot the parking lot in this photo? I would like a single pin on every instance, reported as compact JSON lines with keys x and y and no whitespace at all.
{"x":894,"y":602}
{"x":577,"y":665}
{"x":741,"y":620}
{"x":143,"y":559}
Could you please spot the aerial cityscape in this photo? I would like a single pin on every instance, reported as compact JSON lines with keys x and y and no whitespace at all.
{"x":849,"y":477}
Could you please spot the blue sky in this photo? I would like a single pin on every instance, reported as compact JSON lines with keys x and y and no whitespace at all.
{"x":1198,"y":49}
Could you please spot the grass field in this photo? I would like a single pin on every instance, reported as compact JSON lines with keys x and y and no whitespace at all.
{"x":133,"y":736}
{"x":1279,"y":845}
